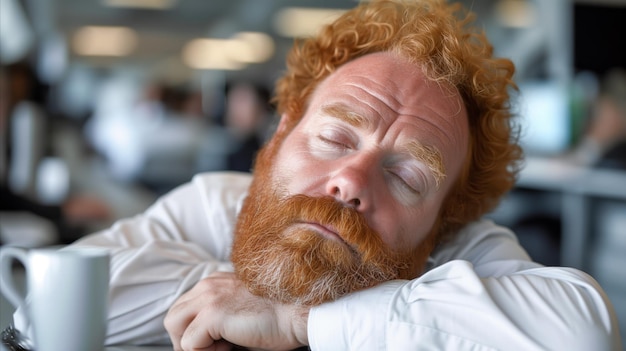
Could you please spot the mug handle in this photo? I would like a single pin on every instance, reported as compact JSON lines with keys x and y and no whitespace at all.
{"x":7,"y":282}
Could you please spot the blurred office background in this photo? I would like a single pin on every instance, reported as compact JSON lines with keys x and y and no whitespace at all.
{"x":107,"y":104}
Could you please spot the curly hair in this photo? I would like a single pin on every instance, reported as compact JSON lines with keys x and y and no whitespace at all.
{"x":438,"y":38}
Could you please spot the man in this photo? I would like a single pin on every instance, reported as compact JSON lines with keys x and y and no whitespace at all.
{"x":360,"y":229}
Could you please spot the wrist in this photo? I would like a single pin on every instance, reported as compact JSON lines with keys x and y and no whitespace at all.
{"x":293,"y":319}
{"x":300,"y":324}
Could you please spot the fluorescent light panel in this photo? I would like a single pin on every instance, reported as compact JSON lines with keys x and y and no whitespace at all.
{"x":210,"y":54}
{"x":229,"y":54}
{"x":104,"y":41}
{"x":256,"y":47}
{"x":303,"y":22}
{"x":516,"y":13}
{"x":141,"y":4}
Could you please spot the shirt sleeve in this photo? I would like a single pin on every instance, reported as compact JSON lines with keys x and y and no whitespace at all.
{"x":473,"y":298}
{"x":160,"y":254}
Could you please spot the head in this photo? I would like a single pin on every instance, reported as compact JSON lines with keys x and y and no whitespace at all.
{"x":395,"y":132}
{"x":608,"y":124}
{"x":246,"y":108}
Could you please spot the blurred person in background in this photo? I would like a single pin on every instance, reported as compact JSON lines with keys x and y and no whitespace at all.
{"x":150,"y":133}
{"x":604,"y":141}
{"x":26,"y":140}
{"x":246,"y":118}
{"x":603,"y":145}
{"x":171,"y":142}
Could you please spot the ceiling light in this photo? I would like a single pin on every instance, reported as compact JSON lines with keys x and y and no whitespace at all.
{"x":256,"y":47}
{"x":104,"y":41}
{"x":303,"y":22}
{"x":141,"y":4}
{"x":515,"y":13}
{"x":211,"y":54}
{"x":229,"y":54}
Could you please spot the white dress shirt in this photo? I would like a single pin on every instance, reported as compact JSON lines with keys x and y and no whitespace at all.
{"x":481,"y":291}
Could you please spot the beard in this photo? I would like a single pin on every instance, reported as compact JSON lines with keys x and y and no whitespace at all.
{"x":279,"y":256}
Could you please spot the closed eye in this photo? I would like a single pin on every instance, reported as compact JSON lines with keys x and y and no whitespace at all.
{"x":337,"y":138}
{"x":330,"y":145}
{"x":405,"y":184}
{"x":406,"y":180}
{"x":334,"y":142}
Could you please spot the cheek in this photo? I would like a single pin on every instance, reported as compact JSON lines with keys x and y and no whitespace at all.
{"x":294,"y":166}
{"x":407,"y":228}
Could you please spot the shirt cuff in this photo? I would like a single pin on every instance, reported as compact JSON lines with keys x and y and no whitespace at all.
{"x":354,"y":322}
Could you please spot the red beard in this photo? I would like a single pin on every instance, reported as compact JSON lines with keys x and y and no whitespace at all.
{"x":278,"y":258}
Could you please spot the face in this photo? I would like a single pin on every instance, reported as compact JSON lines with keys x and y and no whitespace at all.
{"x":349,"y":198}
{"x":379,"y":137}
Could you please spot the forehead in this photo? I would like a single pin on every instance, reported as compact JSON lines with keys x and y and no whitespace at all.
{"x":392,"y":91}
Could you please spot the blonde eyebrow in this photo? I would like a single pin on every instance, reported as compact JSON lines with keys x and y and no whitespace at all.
{"x":430,"y":156}
{"x":343,"y":113}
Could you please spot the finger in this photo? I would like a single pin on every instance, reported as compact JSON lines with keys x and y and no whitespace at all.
{"x":179,"y":319}
{"x":179,"y":316}
{"x":184,"y":309}
{"x":175,"y":337}
{"x":197,"y":335}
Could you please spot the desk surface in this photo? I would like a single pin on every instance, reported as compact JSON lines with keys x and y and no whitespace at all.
{"x":557,"y":175}
{"x":137,"y":348}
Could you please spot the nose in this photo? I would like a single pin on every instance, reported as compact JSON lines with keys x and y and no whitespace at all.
{"x":352,"y":185}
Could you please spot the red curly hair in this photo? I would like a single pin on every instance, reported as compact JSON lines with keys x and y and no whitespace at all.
{"x":439,"y":38}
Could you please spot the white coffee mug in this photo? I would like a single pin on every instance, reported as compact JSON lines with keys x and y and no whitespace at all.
{"x":67,"y":295}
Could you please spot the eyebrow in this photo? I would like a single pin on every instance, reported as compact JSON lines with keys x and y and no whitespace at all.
{"x":343,"y":113}
{"x":429,"y":155}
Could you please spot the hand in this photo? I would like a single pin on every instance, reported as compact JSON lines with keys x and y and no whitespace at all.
{"x":219,"y":310}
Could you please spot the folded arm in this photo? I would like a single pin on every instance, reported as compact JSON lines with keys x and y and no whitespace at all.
{"x":478,"y":299}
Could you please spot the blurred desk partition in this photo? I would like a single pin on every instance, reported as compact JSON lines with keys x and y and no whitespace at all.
{"x":581,"y":190}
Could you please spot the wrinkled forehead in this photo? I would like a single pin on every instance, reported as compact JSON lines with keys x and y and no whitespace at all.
{"x":387,"y":84}
{"x":410,"y":80}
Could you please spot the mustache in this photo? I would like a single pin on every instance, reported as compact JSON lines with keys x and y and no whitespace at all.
{"x":349,"y":224}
